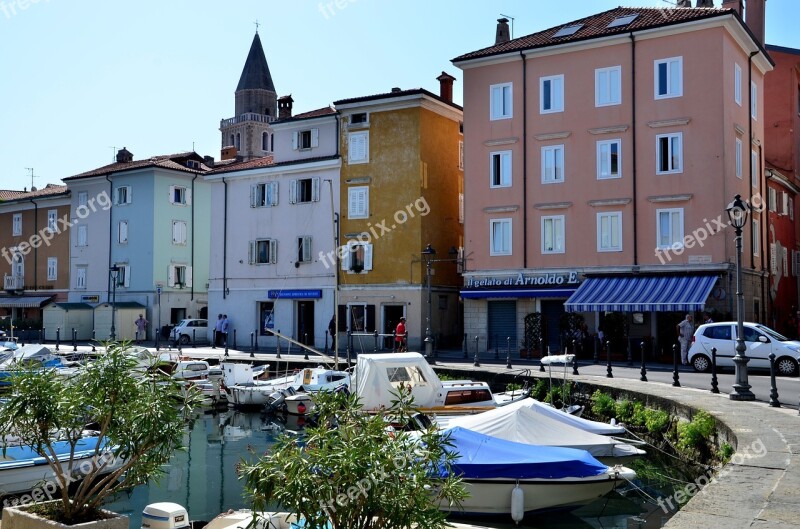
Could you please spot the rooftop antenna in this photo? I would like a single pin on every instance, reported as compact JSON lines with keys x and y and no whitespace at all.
{"x":31,"y":175}
{"x":512,"y":23}
{"x":257,"y":24}
{"x":113,"y":154}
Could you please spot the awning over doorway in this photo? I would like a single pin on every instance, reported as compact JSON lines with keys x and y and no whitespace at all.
{"x":641,"y":293}
{"x":23,"y":302}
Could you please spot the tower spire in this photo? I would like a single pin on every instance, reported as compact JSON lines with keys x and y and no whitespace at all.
{"x":255,"y":74}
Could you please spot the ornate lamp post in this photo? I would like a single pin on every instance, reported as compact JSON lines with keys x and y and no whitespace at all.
{"x":114,"y":273}
{"x":429,"y":254}
{"x":737,"y":213}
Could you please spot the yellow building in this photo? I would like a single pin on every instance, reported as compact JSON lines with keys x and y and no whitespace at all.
{"x":401,"y":190}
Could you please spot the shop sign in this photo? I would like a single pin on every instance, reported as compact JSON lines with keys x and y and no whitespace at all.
{"x":90,"y":299}
{"x":525,"y":280}
{"x":295,"y":294}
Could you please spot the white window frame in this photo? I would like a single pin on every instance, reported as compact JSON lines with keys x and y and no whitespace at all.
{"x":501,"y":101}
{"x":503,"y":179}
{"x":737,"y":84}
{"x":756,"y":167}
{"x":604,"y":158}
{"x":755,"y":238}
{"x":505,"y":246}
{"x":124,"y":275}
{"x":556,"y":101}
{"x":82,"y":236}
{"x":753,"y":100}
{"x":557,"y":153}
{"x":122,"y":190}
{"x":739,"y":158}
{"x":180,"y":195}
{"x":304,"y":249}
{"x":271,"y":251}
{"x":360,"y":154}
{"x":676,"y":242}
{"x":179,"y":276}
{"x":358,"y":202}
{"x":671,"y":138}
{"x":16,"y":224}
{"x":672,"y":91}
{"x":556,"y":224}
{"x":299,"y":138}
{"x":52,"y":268}
{"x":80,"y":277}
{"x":347,"y":260}
{"x":295,"y":186}
{"x":52,"y":220}
{"x":83,"y":198}
{"x":180,"y":230}
{"x":606,"y":78}
{"x":605,"y":243}
{"x":264,"y":195}
{"x":122,"y":232}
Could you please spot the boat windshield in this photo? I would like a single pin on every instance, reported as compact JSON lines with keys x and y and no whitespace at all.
{"x":406,"y":374}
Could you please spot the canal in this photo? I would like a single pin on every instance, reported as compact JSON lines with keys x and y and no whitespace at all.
{"x":204,"y":480}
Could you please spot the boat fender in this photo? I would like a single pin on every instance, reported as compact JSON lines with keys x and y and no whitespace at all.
{"x":301,"y":408}
{"x":517,"y":504}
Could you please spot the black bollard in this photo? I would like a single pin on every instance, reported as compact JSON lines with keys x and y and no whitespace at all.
{"x":643,"y":378}
{"x":305,"y":342}
{"x":466,"y":346}
{"x":234,"y":340}
{"x":477,"y":342}
{"x":376,"y":340}
{"x":575,"y":357}
{"x":541,"y":355}
{"x":74,"y":339}
{"x":508,"y":352}
{"x":58,"y":337}
{"x":278,"y":344}
{"x":609,"y":373}
{"x":675,"y":377}
{"x":93,"y":340}
{"x":773,"y":393}
{"x":252,"y":338}
{"x":714,"y":383}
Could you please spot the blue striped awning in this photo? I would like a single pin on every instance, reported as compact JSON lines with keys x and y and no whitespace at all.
{"x":641,"y":294}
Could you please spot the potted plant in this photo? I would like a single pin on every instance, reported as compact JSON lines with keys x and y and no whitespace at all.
{"x":139,"y":417}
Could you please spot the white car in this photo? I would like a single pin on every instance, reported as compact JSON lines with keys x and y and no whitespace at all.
{"x":759,"y":340}
{"x":190,"y":330}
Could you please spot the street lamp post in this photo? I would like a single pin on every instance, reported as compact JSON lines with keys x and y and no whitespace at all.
{"x":114,"y":272}
{"x":430,"y":253}
{"x":737,"y":212}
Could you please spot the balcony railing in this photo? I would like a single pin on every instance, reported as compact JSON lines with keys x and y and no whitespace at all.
{"x":13,"y":282}
{"x":247,"y":116}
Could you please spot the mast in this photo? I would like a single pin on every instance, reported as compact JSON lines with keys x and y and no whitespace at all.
{"x":334,"y":227}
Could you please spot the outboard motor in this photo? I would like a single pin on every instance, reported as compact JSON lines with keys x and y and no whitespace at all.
{"x":165,"y":515}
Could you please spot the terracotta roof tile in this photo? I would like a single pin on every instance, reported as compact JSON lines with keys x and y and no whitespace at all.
{"x":325,"y":111}
{"x":267,"y":161}
{"x":398,"y":93}
{"x":176,"y":162}
{"x":48,"y":190}
{"x":596,"y":26}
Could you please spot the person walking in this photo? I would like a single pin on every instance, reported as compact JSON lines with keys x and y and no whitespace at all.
{"x":685,"y":332}
{"x":225,"y":326}
{"x":141,"y":329}
{"x":400,"y":338}
{"x":218,"y":331}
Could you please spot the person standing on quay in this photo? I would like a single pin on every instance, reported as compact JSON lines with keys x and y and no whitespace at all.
{"x":400,"y":335}
{"x":225,"y":325}
{"x":141,"y":329}
{"x":218,"y":331}
{"x":685,"y":332}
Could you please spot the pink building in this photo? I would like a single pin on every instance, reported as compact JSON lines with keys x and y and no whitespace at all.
{"x":600,"y":157}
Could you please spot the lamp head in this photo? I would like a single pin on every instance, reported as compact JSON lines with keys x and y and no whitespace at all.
{"x":737,"y":212}
{"x":429,"y":250}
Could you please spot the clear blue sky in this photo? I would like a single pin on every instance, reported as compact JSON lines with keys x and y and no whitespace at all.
{"x":82,"y":78}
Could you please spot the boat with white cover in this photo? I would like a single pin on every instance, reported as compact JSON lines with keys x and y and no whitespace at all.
{"x":243,"y":391}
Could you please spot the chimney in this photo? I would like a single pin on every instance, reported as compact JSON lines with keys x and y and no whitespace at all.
{"x":704,"y":3}
{"x":503,"y":34}
{"x":124,"y":156}
{"x":755,"y":10}
{"x":684,"y":3}
{"x":285,"y":107}
{"x":208,"y":160}
{"x":228,"y":153}
{"x":33,"y":188}
{"x":446,"y":86}
{"x":396,"y":89}
{"x":736,"y":5}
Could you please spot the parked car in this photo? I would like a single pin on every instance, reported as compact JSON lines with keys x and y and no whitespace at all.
{"x":759,"y":340}
{"x":190,"y":329}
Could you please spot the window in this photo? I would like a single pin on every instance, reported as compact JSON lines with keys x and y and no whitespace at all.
{"x":754,"y":238}
{"x":755,"y":171}
{"x":791,"y":208}
{"x":785,"y":203}
{"x":500,"y":101}
{"x":551,"y":94}
{"x":608,"y":159}
{"x":737,"y":84}
{"x":179,"y":195}
{"x":669,"y":227}
{"x":552,"y":164}
{"x":304,"y":190}
{"x":609,"y":232}
{"x":180,"y":276}
{"x":358,"y":258}
{"x":80,"y":277}
{"x":83,"y":198}
{"x":753,"y":100}
{"x":264,"y":251}
{"x":461,"y":155}
{"x":265,"y":141}
{"x":305,"y":139}
{"x":738,"y":158}
{"x":124,"y":275}
{"x":669,"y":78}
{"x":16,"y":224}
{"x":83,"y":236}
{"x":264,"y":195}
{"x":553,"y":234}
{"x":500,"y":237}
{"x":772,"y":199}
{"x":52,"y":268}
{"x":122,"y":232}
{"x":237,"y":143}
{"x":669,"y":153}
{"x":179,"y":232}
{"x":500,"y":169}
{"x":123,"y":195}
{"x":358,"y":202}
{"x":304,"y":249}
{"x":718,"y":332}
{"x":608,"y":86}
{"x":52,"y":220}
{"x":360,"y":118}
{"x":358,"y":147}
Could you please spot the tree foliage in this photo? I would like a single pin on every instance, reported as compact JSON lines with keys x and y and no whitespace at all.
{"x":354,"y":470}
{"x":138,"y":412}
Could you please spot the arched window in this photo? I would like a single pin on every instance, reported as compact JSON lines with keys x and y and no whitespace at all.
{"x":238,"y":139}
{"x":265,"y":141}
{"x":232,"y":140}
{"x":272,"y":143}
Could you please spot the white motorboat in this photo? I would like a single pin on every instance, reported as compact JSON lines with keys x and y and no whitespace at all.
{"x":243,"y":391}
{"x":301,"y":402}
{"x":32,"y":357}
{"x":504,"y":477}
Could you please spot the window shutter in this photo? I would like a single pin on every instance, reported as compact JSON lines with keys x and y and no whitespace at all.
{"x":171,"y":194}
{"x":306,"y":249}
{"x":346,"y":257}
{"x":273,"y":251}
{"x":295,"y":140}
{"x":175,"y":232}
{"x":315,"y":137}
{"x":315,"y":189}
{"x":188,"y":197}
{"x":367,"y":257}
{"x":171,"y":276}
{"x":273,"y":196}
{"x":123,"y":232}
{"x":251,"y":254}
{"x":128,"y":194}
{"x":352,"y":207}
{"x":188,"y":276}
{"x":253,"y":194}
{"x":293,"y":192}
{"x":126,"y":270}
{"x":773,"y":258}
{"x":461,"y":208}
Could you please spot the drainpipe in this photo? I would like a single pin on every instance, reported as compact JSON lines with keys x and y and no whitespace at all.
{"x":524,"y":160}
{"x":225,"y":241}
{"x":633,"y":147}
{"x":110,"y":236}
{"x":35,"y":249}
{"x":191,"y":288}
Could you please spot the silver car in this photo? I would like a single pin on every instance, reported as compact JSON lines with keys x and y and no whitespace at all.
{"x":190,"y":330}
{"x":759,"y":341}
